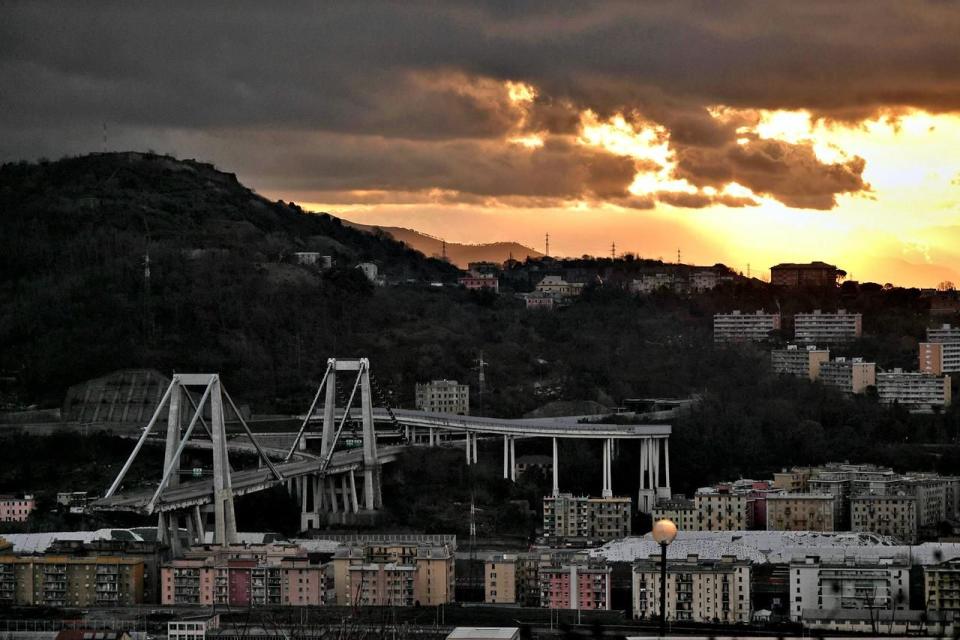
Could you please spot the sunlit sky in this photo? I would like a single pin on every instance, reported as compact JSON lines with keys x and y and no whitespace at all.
{"x":905,"y":228}
{"x":749,"y":132}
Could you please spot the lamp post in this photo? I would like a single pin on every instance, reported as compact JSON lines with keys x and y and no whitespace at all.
{"x":664,"y":531}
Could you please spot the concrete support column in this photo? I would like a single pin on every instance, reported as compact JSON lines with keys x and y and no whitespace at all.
{"x":303,"y":495}
{"x":607,"y":476}
{"x":506,"y":457}
{"x":432,"y":443}
{"x":345,"y":493}
{"x":353,"y":492}
{"x":198,"y":524}
{"x":513,"y":458}
{"x":556,"y":470}
{"x":318,"y":494}
{"x":666,"y":461}
{"x":331,"y":483}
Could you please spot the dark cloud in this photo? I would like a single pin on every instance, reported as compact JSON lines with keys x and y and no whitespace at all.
{"x":414,"y":75}
{"x":791,"y":173}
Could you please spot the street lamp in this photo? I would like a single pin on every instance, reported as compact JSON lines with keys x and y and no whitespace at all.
{"x":664,"y":531}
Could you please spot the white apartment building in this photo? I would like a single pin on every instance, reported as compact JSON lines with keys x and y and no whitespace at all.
{"x":443,"y":396}
{"x":650,"y":282}
{"x":883,"y":584}
{"x":744,"y":327}
{"x":943,"y":333}
{"x":698,"y":590}
{"x":799,"y":361}
{"x":850,"y":375}
{"x":919,"y":392}
{"x":827,"y":328}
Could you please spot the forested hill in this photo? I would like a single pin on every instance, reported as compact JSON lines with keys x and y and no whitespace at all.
{"x":74,"y":235}
{"x":51,"y":211}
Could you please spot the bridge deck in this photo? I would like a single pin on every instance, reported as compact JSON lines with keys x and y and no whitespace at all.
{"x":559,"y":427}
{"x":200,"y":492}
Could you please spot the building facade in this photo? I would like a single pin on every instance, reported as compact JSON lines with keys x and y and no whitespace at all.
{"x":478,"y":281}
{"x":14,"y":509}
{"x":941,"y":352}
{"x":65,"y":581}
{"x":813,"y":274}
{"x":744,"y":327}
{"x":443,"y":396}
{"x":721,"y":509}
{"x":879,"y":584}
{"x":680,"y":510}
{"x":798,"y":361}
{"x":698,"y":590}
{"x":886,"y":515}
{"x":827,"y":328}
{"x":574,"y":583}
{"x":802,"y":512}
{"x":941,"y":586}
{"x":566,"y":516}
{"x":850,"y":375}
{"x":557,"y":287}
{"x":394,"y":574}
{"x":918,"y":392}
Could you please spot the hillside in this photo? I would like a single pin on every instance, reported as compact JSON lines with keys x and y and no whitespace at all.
{"x":74,"y":235}
{"x":457,"y":253}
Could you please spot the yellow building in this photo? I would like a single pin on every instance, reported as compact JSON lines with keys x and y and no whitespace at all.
{"x":394,"y":574}
{"x":722,"y":510}
{"x":681,"y":511}
{"x":941,"y":586}
{"x":697,"y":590}
{"x":802,"y":512}
{"x":65,"y":581}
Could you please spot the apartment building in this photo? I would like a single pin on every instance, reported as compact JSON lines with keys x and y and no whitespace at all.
{"x":793,"y":481}
{"x":941,"y":352}
{"x":479,"y":281}
{"x":698,"y":590}
{"x":827,"y":328}
{"x":680,"y":510}
{"x":918,"y":392}
{"x":65,"y":581}
{"x":512,"y":578}
{"x":941,"y":587}
{"x":934,"y":496}
{"x":574,"y":582}
{"x":567,"y":516}
{"x":443,"y":396}
{"x":539,"y":301}
{"x":812,"y":274}
{"x":801,"y":362}
{"x":260,"y":575}
{"x":850,"y":375}
{"x":802,"y":512}
{"x":394,"y":574}
{"x":14,"y":509}
{"x":877,"y":584}
{"x":744,"y":327}
{"x":650,"y":282}
{"x":886,"y":515}
{"x":557,"y":287}
{"x":151,"y":553}
{"x":719,"y":508}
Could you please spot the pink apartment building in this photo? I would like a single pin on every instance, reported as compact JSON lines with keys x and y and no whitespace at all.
{"x":476,"y":281}
{"x":13,"y":509}
{"x":258,"y":579}
{"x":575,"y":586}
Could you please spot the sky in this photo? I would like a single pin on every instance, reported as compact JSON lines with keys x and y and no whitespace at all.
{"x":747,"y":133}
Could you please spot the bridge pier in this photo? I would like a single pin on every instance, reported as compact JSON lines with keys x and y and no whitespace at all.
{"x":651,"y":488}
{"x":607,"y":468}
{"x":556,"y":467}
{"x":509,"y":459}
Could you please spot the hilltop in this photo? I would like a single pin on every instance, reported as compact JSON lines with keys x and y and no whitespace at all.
{"x":459,"y":254}
{"x":222,"y":287}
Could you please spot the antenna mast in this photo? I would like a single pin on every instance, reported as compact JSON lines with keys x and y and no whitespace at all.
{"x":548,"y":244}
